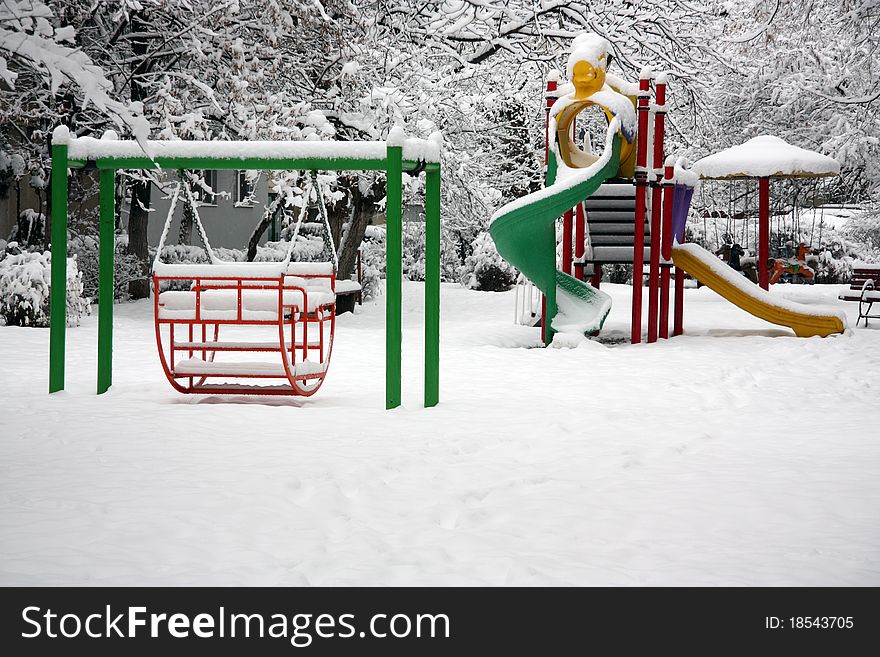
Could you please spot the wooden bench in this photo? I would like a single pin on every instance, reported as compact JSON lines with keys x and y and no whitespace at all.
{"x":864,"y":288}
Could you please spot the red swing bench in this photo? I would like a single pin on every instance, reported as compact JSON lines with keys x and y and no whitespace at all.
{"x":289,"y":307}
{"x":293,"y":305}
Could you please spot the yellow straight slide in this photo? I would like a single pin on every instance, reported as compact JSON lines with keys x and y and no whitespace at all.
{"x":718,"y":275}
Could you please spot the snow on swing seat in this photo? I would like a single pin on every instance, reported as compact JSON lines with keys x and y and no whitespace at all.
{"x":256,"y":305}
{"x":347,"y":286}
{"x":259,"y":369}
{"x":268,"y":270}
{"x":218,"y":299}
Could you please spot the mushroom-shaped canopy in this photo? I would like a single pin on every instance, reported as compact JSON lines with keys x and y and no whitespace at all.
{"x":766,"y":157}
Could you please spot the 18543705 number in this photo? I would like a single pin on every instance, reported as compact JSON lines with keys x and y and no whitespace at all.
{"x":820,"y":622}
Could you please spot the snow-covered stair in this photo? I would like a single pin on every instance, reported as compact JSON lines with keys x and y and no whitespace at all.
{"x":610,"y":217}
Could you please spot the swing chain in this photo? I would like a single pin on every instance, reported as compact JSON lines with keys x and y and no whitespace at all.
{"x":322,"y":210}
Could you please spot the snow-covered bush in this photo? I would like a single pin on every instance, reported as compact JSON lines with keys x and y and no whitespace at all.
{"x":25,"y":281}
{"x":372,"y":261}
{"x":864,"y":229}
{"x":413,"y":251}
{"x":126,"y":267}
{"x":617,"y":273}
{"x":29,"y":230}
{"x":485,"y":269}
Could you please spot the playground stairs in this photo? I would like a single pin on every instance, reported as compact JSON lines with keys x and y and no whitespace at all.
{"x":610,"y":218}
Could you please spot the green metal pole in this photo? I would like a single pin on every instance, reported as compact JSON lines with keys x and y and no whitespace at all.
{"x":107,"y":244}
{"x":393,"y":275}
{"x":432,"y":286}
{"x":549,"y":235}
{"x":58,"y":293}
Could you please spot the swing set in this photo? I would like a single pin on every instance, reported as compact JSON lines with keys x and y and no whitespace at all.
{"x":294,"y":301}
{"x":287,"y":298}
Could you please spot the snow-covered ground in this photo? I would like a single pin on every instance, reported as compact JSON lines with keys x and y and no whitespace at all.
{"x":733,"y":455}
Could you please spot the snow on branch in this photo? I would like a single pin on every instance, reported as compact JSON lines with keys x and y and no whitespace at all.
{"x":28,"y":40}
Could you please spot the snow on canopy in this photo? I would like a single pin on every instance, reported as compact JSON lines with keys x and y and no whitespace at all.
{"x":766,"y":156}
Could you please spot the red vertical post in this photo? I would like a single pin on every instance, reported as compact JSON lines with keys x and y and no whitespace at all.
{"x":678,"y":320}
{"x":568,"y":221}
{"x":666,"y":247}
{"x":566,"y":241}
{"x":641,"y":182}
{"x":580,"y":238}
{"x":654,"y":275}
{"x":549,"y":99}
{"x":763,"y":231}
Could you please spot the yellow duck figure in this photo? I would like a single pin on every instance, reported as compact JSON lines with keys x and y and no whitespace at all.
{"x":590,"y":88}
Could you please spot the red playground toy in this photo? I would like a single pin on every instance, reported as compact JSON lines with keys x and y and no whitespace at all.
{"x":292,"y":303}
{"x":796,"y":266}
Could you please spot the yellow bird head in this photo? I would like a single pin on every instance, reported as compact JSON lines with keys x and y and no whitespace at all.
{"x":588,"y":79}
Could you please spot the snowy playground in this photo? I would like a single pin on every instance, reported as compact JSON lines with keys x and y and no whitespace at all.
{"x":735,"y":454}
{"x":560,"y":309}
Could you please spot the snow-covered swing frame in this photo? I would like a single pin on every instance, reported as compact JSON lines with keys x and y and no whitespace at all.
{"x":396,"y":156}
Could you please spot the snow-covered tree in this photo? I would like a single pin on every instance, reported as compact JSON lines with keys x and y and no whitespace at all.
{"x":808,"y":73}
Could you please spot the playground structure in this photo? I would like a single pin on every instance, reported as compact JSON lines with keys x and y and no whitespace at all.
{"x":609,"y":216}
{"x":296,"y":301}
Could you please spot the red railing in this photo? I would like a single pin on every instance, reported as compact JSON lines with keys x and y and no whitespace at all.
{"x":295,"y":313}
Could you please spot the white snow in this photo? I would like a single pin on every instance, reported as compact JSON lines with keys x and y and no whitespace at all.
{"x":735,"y":455}
{"x":684,"y":174}
{"x":576,"y":316}
{"x":310,"y":268}
{"x":623,"y":86}
{"x":350,"y":69}
{"x":221,"y":270}
{"x":223,"y":304}
{"x":224,"y":269}
{"x":766,"y":156}
{"x":344,"y":285}
{"x":587,"y":48}
{"x":396,"y":136}
{"x":61,"y":135}
{"x":88,"y":148}
{"x":200,"y":367}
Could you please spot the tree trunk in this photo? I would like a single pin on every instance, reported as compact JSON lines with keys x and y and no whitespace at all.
{"x":185,"y":233}
{"x":137,"y":237}
{"x":139,"y":212}
{"x":264,"y":223}
{"x":336,"y":217}
{"x":363,"y":209}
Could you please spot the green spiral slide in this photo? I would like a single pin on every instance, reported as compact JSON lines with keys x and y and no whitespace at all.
{"x":524,"y":232}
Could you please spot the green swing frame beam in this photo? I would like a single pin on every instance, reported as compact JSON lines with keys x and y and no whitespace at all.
{"x":393,"y":164}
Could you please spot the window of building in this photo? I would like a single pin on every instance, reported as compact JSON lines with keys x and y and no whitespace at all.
{"x":208,"y":180}
{"x":244,"y":190}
